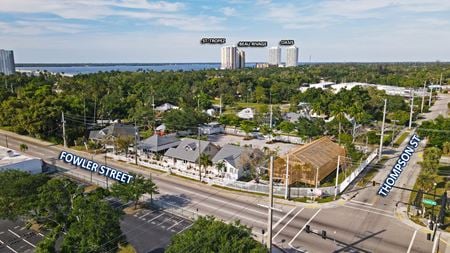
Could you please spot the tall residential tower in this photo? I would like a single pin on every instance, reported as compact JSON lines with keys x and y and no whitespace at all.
{"x":274,"y":56}
{"x":291,"y":56}
{"x":232,"y":58}
{"x":7,"y":65}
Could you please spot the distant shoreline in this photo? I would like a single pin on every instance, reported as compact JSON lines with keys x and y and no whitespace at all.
{"x":21,"y":65}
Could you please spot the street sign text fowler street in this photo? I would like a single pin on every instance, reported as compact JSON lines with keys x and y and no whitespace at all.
{"x":399,"y":166}
{"x":95,"y":167}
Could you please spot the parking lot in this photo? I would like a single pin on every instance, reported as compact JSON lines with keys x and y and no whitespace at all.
{"x":15,"y":237}
{"x":151,"y":230}
{"x":222,"y":139}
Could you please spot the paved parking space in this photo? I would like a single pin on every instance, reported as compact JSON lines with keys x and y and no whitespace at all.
{"x":15,"y":237}
{"x":151,"y":230}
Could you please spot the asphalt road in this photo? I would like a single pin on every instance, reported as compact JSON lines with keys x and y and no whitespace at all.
{"x":367,"y":223}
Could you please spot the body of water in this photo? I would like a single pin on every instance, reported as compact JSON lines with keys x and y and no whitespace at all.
{"x":87,"y":69}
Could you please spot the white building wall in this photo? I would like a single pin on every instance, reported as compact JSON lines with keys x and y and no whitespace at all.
{"x":291,"y":56}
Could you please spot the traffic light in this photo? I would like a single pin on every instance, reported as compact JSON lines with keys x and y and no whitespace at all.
{"x":262,"y":232}
{"x":374,"y":183}
{"x":431,"y":225}
{"x":441,"y":217}
{"x":324,"y":234}
{"x":429,"y":236}
{"x":308,"y":229}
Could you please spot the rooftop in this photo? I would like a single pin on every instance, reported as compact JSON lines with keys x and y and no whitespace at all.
{"x":9,"y":156}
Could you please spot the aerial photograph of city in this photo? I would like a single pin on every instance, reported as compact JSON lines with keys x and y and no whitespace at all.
{"x":230,"y":126}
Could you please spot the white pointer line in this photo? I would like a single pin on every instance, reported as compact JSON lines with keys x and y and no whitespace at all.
{"x":284,"y":217}
{"x":412,"y":241}
{"x":273,"y":238}
{"x":295,"y":237}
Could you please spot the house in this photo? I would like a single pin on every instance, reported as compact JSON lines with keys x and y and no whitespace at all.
{"x":165,"y":107}
{"x":311,"y":163}
{"x":212,"y":128}
{"x":293,"y":116}
{"x":158,"y":144}
{"x":112,"y":132}
{"x":187,"y":153}
{"x":247,"y":113}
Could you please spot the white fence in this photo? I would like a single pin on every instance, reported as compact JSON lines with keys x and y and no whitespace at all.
{"x":279,"y":190}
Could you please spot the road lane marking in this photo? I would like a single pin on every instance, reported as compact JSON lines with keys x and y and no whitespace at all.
{"x":301,"y":230}
{"x":273,"y":238}
{"x":412,"y":241}
{"x":284,"y":217}
{"x":29,"y":243}
{"x":360,"y":202}
{"x":186,"y":228}
{"x":374,"y":208}
{"x":387,"y":215}
{"x":150,"y":212}
{"x":8,"y":247}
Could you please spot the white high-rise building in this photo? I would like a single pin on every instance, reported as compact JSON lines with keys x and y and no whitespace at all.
{"x":291,"y":56}
{"x":274,"y":56}
{"x":232,"y":58}
{"x":241,"y":57}
{"x":7,"y":65}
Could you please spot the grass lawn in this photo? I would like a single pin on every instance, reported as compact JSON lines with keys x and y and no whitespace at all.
{"x":401,"y":139}
{"x":126,"y":249}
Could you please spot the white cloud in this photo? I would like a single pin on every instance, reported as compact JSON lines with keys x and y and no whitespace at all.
{"x":229,"y":11}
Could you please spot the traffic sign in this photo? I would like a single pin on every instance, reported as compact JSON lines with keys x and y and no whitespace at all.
{"x":429,"y":202}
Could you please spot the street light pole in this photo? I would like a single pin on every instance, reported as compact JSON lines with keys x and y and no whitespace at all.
{"x":269,"y":224}
{"x":287,"y":178}
{"x":337,"y":177}
{"x":412,"y":109}
{"x":382,"y":130}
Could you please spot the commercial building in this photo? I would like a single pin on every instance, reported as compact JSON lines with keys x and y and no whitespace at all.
{"x":7,"y":65}
{"x":13,"y":160}
{"x":274,"y":56}
{"x":291,"y":56}
{"x":232,"y":58}
{"x":311,"y":163}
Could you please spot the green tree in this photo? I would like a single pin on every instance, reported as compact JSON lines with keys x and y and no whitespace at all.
{"x":123,"y":143}
{"x":96,"y":227}
{"x":260,"y":94}
{"x":210,"y":235}
{"x":47,"y":245}
{"x":55,"y":200}
{"x":426,"y":181}
{"x":286,"y":127}
{"x":205,"y":161}
{"x":431,"y":157}
{"x":220,"y":166}
{"x":134,"y":190}
{"x":247,"y":126}
{"x":23,"y":147}
{"x":18,"y":195}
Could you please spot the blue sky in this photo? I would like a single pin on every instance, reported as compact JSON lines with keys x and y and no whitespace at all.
{"x":170,"y":31}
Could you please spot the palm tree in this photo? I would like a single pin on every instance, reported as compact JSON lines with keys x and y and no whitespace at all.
{"x":23,"y":147}
{"x":426,"y":180}
{"x":220,"y":166}
{"x":205,"y":161}
{"x":338,"y":111}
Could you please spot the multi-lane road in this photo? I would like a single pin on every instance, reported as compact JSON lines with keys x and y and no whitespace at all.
{"x":365,"y":223}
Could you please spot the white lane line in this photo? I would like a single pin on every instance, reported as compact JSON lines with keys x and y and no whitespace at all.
{"x":285,"y":225}
{"x":210,"y":197}
{"x":365,"y":210}
{"x":29,"y":243}
{"x":284,"y":217}
{"x":186,"y":228}
{"x":373,"y":208}
{"x":295,"y":237}
{"x":156,"y":217}
{"x":8,"y":247}
{"x":412,"y":241}
{"x":360,"y":202}
{"x":146,"y":214}
{"x":174,"y":224}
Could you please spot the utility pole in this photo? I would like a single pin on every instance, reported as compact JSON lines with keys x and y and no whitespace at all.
{"x":412,"y":109}
{"x":337,"y":177}
{"x":270,"y":117}
{"x":220,"y":106}
{"x":286,"y":194}
{"x":6,"y":140}
{"x":269,"y":225}
{"x":84,"y":111}
{"x":64,"y":129}
{"x":423,"y":97}
{"x":135,"y":143}
{"x":431,"y":95}
{"x":382,"y":130}
{"x":198,"y":148}
{"x":95,"y":109}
